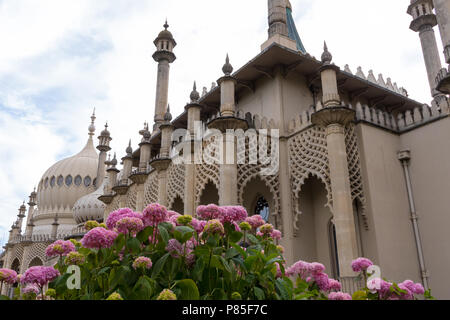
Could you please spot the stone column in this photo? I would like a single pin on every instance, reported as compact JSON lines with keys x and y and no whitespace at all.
{"x":443,"y":19}
{"x":193,"y":109}
{"x":140,"y":197}
{"x":226,"y":124}
{"x":334,"y":117}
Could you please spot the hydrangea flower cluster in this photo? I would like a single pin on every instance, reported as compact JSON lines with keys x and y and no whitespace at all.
{"x":142,"y":263}
{"x":313,"y":272}
{"x":60,"y":248}
{"x":30,"y":288}
{"x":361,"y":264}
{"x":91,"y":224}
{"x":119,"y":214}
{"x":99,"y":238}
{"x":232,"y":214}
{"x":255,"y":221}
{"x":175,"y":248}
{"x":198,"y":225}
{"x":266,"y":229}
{"x":385,"y":291}
{"x":167,"y":294}
{"x":129,"y":225}
{"x":39,"y":275}
{"x":209,"y":212}
{"x":339,"y":296}
{"x":75,"y":258}
{"x":7,"y":275}
{"x":115,"y":296}
{"x":213,"y":227}
{"x":154,"y":214}
{"x":184,"y":220}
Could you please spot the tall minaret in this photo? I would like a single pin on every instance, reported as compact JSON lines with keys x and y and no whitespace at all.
{"x":103,"y":146}
{"x":164,"y":56}
{"x":423,"y":22}
{"x":282,"y":29}
{"x":443,"y":18}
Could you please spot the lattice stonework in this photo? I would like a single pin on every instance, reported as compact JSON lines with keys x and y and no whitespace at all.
{"x":115,"y":204}
{"x":17,"y":253}
{"x":354,"y":168}
{"x":36,"y":250}
{"x":175,"y":183}
{"x":247,"y":172}
{"x":151,"y":189}
{"x":131,"y":197}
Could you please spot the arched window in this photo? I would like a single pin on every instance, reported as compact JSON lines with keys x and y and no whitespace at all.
{"x":87,"y":181}
{"x":60,"y":181}
{"x":69,"y":180}
{"x":262,"y":208}
{"x":78,"y":180}
{"x":52,"y":181}
{"x":46,"y":182}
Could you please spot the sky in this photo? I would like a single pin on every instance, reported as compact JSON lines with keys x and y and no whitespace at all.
{"x":61,"y":58}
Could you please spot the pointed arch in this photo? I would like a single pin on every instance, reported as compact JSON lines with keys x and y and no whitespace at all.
{"x":36,"y":261}
{"x":209,"y":194}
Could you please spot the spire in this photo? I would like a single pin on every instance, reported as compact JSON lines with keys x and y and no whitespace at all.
{"x":92,"y":125}
{"x":168,"y":115}
{"x":292,"y":29}
{"x":129,"y":149}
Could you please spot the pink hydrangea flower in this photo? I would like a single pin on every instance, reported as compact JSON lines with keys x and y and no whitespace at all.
{"x":339,"y":296}
{"x":120,"y":214}
{"x":316,"y":267}
{"x":99,"y":238}
{"x":334,"y":285}
{"x":7,"y":275}
{"x":322,"y":281}
{"x":276,"y":234}
{"x":172,"y":213}
{"x":59,"y":248}
{"x":175,"y":248}
{"x":300,"y":269}
{"x":30,"y":288}
{"x":255,"y":221}
{"x":266,"y":229}
{"x":361,"y":264}
{"x":154,"y":214}
{"x":415,"y":288}
{"x":209,"y":212}
{"x":232,"y":214}
{"x":198,"y":225}
{"x":129,"y":225}
{"x":142,"y":262}
{"x":39,"y":275}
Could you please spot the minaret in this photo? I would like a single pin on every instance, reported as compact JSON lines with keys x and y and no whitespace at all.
{"x":127,"y":164}
{"x":103,"y":146}
{"x":21,"y":215}
{"x":164,"y":56}
{"x":443,"y":18}
{"x":112,"y":174}
{"x":282,"y":29}
{"x":423,"y":22}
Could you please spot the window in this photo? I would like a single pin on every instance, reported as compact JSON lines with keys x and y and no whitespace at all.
{"x":69,"y":180}
{"x":78,"y":180}
{"x":46,"y":182}
{"x":87,"y":181}
{"x":262,"y":208}
{"x":52,"y":181}
{"x":60,"y":181}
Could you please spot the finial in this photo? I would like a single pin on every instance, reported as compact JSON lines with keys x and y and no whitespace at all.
{"x":326,"y":55}
{"x":114,"y":161}
{"x":166,"y":25}
{"x":227,"y":67}
{"x":129,"y":149}
{"x":194,"y":94}
{"x":168,"y":115}
{"x":91,"y":127}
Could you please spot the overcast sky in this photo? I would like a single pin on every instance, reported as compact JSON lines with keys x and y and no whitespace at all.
{"x":61,"y":58}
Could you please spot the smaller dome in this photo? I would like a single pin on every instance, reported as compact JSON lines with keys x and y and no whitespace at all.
{"x":89,"y":207}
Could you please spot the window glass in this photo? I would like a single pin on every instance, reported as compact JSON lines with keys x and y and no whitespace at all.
{"x":262,"y":208}
{"x":87,"y":181}
{"x":52,"y":181}
{"x":60,"y":180}
{"x":69,"y":180}
{"x":78,"y":180}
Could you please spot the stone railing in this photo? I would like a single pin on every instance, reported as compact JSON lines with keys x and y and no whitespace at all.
{"x":37,"y":238}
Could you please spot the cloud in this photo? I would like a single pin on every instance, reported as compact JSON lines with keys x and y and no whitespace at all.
{"x":61,"y":58}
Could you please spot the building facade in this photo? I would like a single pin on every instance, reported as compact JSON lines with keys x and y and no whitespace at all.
{"x":344,"y":164}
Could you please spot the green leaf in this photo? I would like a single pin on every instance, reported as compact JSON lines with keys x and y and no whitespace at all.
{"x":119,"y":242}
{"x":144,"y":288}
{"x":134,"y":245}
{"x":189,"y":290}
{"x":283,"y":289}
{"x":183,"y":233}
{"x":4,"y":298}
{"x":236,"y":236}
{"x":225,"y":264}
{"x":197,"y":273}
{"x":145,"y":234}
{"x":164,"y":233}
{"x":239,"y":249}
{"x":252,"y":239}
{"x":259,"y":293}
{"x":159,"y":265}
{"x":219,"y":294}
{"x":231,"y":253}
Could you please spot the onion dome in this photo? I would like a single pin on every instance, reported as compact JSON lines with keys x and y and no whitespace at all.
{"x":168,"y":115}
{"x":165,"y":35}
{"x":129,"y":149}
{"x":89,"y":207}
{"x":194,"y":94}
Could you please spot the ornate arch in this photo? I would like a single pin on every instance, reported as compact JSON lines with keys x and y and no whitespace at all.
{"x":175,"y":183}
{"x":36,"y":261}
{"x":205,"y":173}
